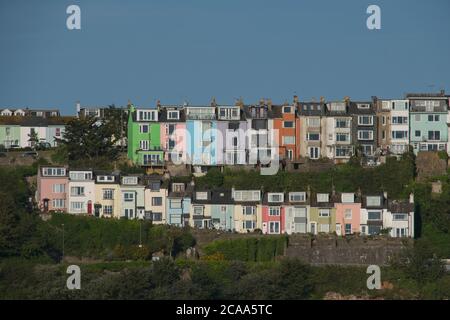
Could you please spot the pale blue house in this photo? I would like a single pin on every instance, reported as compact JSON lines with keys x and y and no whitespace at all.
{"x":428,"y":121}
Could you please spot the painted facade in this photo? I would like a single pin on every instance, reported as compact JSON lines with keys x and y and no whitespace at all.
{"x":322,"y":217}
{"x":108,"y":201}
{"x":178,"y":204}
{"x":81,"y":192}
{"x":52,"y":185}
{"x":247,"y":210}
{"x":348,"y":214}
{"x":273,"y":213}
{"x":144,"y":142}
{"x":156,"y":194}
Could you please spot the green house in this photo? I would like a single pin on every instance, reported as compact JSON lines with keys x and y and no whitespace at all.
{"x":144,"y":143}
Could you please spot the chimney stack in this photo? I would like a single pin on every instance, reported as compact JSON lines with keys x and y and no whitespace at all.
{"x":295,"y":99}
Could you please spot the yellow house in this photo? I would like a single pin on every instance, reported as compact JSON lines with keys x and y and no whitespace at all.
{"x":247,"y":210}
{"x":107,"y":196}
{"x":155,"y":199}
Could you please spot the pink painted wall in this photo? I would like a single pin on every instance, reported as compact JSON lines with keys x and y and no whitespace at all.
{"x":266,"y":218}
{"x":180,"y":138}
{"x":356,"y":216}
{"x":45,"y":187}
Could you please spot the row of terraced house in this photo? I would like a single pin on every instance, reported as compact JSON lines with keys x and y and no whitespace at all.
{"x":150,"y":197}
{"x":243,"y":134}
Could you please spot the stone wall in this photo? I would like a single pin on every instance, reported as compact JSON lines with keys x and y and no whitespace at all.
{"x":349,"y":250}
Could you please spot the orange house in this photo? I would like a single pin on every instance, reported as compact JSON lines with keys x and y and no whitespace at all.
{"x":284,"y":121}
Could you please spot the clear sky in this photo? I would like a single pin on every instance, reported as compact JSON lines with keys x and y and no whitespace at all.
{"x":177,"y":50}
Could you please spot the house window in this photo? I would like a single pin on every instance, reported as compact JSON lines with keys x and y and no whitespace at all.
{"x":129,"y":180}
{"x":313,"y":136}
{"x":374,"y":215}
{"x":365,"y":120}
{"x":324,"y":227}
{"x":80,"y":175}
{"x":175,"y":203}
{"x":58,"y":203}
{"x":156,"y":216}
{"x":322,"y":197}
{"x":287,"y":109}
{"x":108,"y":194}
{"x":342,"y":123}
{"x":201,"y":195}
{"x":288,"y":124}
{"x":374,"y":229}
{"x":108,"y":209}
{"x":433,"y":118}
{"x":399,"y":134}
{"x":313,"y":152}
{"x":248,"y":210}
{"x":276,"y":197}
{"x":143,"y":144}
{"x":147,"y":115}
{"x":367,"y":149}
{"x":343,"y":151}
{"x":297,"y":196}
{"x":417,"y":133}
{"x":143,"y":128}
{"x":77,"y":191}
{"x":323,"y":213}
{"x":365,"y":135}
{"x":198,"y":210}
{"x":373,"y":201}
{"x":399,"y":120}
{"x":274,"y":211}
{"x":434,"y":135}
{"x":129,"y":213}
{"x":156,"y":201}
{"x":400,"y":217}
{"x":59,"y":188}
{"x":128,"y":196}
{"x":248,"y":224}
{"x":400,"y":232}
{"x":288,"y":140}
{"x":342,"y":137}
{"x":58,"y":132}
{"x":348,"y":214}
{"x":348,"y":228}
{"x":173,"y":115}
{"x":77,"y":206}
{"x":314,"y":122}
{"x":274,"y":227}
{"x":105,"y":178}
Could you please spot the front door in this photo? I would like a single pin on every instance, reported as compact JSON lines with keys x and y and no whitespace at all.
{"x":89,"y":207}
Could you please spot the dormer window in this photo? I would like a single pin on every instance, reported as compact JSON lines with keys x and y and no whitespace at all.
{"x":147,"y":115}
{"x":229,"y":113}
{"x":130,"y":180}
{"x":80,"y":175}
{"x":297,"y":196}
{"x":373,"y":201}
{"x":53,"y":172}
{"x":105,"y":178}
{"x":323,"y":197}
{"x":287,"y":109}
{"x":173,"y":115}
{"x":275,"y":197}
{"x":363,"y":106}
{"x":201,"y":195}
{"x":348,"y":198}
{"x":178,"y":187}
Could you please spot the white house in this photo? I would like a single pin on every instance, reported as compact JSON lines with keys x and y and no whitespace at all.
{"x":81,"y":192}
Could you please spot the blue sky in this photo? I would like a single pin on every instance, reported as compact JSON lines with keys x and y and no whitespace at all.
{"x":177,"y":50}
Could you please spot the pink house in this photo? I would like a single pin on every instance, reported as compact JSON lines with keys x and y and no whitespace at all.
{"x":51,"y":188}
{"x":173,"y":133}
{"x":273,"y":213}
{"x":348,"y":214}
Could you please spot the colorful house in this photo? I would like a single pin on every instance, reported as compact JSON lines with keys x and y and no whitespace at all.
{"x":247,"y":210}
{"x":81,"y":190}
{"x":178,"y":204}
{"x":144,"y":143}
{"x":364,"y":126}
{"x":132,"y":197}
{"x":156,"y":192}
{"x":311,"y":130}
{"x":296,"y":210}
{"x":348,"y":211}
{"x":52,"y":185}
{"x":284,"y":120}
{"x":428,"y":121}
{"x":222,"y":210}
{"x":273,"y":213}
{"x":9,"y":135}
{"x":373,"y":213}
{"x":231,"y":136}
{"x":201,"y":139}
{"x":339,"y":132}
{"x":108,"y":201}
{"x":201,"y":210}
{"x":173,"y":133}
{"x":400,"y":218}
{"x":322,"y":217}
